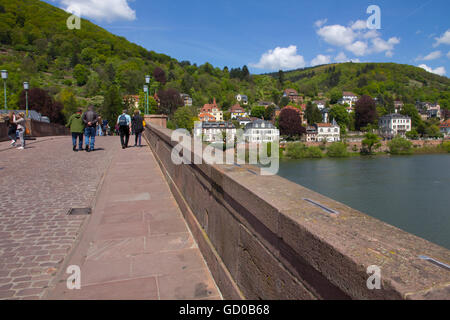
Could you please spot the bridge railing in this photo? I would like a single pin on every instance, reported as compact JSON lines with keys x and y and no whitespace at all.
{"x":265,"y":237}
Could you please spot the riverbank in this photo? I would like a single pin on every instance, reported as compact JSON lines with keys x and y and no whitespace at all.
{"x":300,"y":150}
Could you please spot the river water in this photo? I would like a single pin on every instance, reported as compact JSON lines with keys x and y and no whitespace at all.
{"x":409,"y":192}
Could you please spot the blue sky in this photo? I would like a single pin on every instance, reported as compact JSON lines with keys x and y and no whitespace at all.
{"x":284,"y":34}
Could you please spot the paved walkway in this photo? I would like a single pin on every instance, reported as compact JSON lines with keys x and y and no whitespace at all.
{"x":135,"y":245}
{"x":37,"y":188}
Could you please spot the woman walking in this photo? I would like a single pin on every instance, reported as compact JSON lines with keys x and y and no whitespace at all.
{"x":12,"y":128}
{"x":20,"y":122}
{"x":138,"y":127}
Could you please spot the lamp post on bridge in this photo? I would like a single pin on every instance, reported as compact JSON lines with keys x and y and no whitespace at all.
{"x":147,"y":81}
{"x":26,"y":86}
{"x":5,"y":77}
{"x":146,"y":97}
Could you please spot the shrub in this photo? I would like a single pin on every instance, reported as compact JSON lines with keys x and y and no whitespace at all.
{"x":400,"y":146}
{"x":446,"y":146}
{"x":300,"y":151}
{"x":338,"y":150}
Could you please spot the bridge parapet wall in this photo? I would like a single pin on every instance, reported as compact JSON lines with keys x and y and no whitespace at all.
{"x":263,"y":240}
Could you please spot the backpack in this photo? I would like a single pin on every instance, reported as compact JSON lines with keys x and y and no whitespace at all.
{"x":123,"y":121}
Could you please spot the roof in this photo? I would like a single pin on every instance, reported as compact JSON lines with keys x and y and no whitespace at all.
{"x":291,"y":91}
{"x":348,"y":93}
{"x":218,"y":125}
{"x":205,"y":114}
{"x":257,"y":124}
{"x":445,"y":124}
{"x":324,"y":125}
{"x":395,"y":116}
{"x":209,"y":107}
{"x":237,"y":108}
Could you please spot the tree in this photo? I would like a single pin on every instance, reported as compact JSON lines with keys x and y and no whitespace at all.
{"x":370,"y":143}
{"x":170,"y":100}
{"x":258,"y":112}
{"x":185,"y":117}
{"x":160,"y":75}
{"x":340,"y":114}
{"x":290,"y":123}
{"x":313,"y":114}
{"x":269,"y":113}
{"x":81,"y":73}
{"x":67,"y":98}
{"x":400,"y":146}
{"x":335,"y":96}
{"x":112,"y":105}
{"x":281,"y":78}
{"x":365,"y":112}
{"x":338,"y":150}
{"x":40,"y":101}
{"x":411,"y":111}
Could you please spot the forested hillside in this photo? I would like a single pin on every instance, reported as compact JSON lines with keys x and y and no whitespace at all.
{"x":92,"y":66}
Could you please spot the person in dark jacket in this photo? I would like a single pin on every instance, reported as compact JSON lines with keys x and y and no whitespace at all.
{"x":12,"y":128}
{"x":138,"y":127}
{"x":90,"y":119}
{"x":76,"y":126}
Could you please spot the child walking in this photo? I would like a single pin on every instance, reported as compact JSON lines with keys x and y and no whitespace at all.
{"x":20,"y":122}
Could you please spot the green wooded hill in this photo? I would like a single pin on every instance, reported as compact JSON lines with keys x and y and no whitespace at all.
{"x":93,"y":66}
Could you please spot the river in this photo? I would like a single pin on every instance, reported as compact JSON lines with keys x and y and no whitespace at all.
{"x":409,"y":192}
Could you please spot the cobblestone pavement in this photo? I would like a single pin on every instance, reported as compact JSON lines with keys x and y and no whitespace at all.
{"x":38,"y":186}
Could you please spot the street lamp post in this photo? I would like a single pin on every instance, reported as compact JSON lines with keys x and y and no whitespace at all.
{"x":5,"y":77}
{"x":146,"y":97}
{"x":147,"y":81}
{"x":26,"y":86}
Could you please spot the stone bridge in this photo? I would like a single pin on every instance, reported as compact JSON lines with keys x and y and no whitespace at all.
{"x":161,"y":231}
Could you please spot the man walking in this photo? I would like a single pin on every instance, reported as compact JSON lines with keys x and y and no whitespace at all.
{"x":90,"y":119}
{"x":124,"y":123}
{"x":76,"y":126}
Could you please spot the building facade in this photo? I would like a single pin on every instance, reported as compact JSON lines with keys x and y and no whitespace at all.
{"x":328,"y":132}
{"x":238,"y":112}
{"x":213,"y":110}
{"x":348,"y":98}
{"x":293,"y":96}
{"x":242,"y":99}
{"x":393,"y":125}
{"x":215,"y":131}
{"x":261,"y":131}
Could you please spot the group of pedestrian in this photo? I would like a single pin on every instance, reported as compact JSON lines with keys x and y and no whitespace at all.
{"x":127,"y":125}
{"x":16,"y":128}
{"x":87,"y":125}
{"x":83,"y":125}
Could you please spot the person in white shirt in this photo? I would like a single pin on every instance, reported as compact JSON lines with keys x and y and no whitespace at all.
{"x":124,"y":122}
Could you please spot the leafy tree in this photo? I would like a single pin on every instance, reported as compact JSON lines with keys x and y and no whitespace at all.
{"x":335,"y":96}
{"x":40,"y":101}
{"x":365,"y":112}
{"x":340,"y":114}
{"x":313,"y":114}
{"x":400,"y":146}
{"x":170,"y":100}
{"x":81,"y":74}
{"x":160,"y":75}
{"x":284,"y":101}
{"x":370,"y":143}
{"x":112,"y":105}
{"x":185,"y":117}
{"x":258,"y":112}
{"x":338,"y":150}
{"x":290,"y":123}
{"x":67,"y":98}
{"x":269,"y":113}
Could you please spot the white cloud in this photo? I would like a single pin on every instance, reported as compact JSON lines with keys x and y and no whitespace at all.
{"x":320,"y":23}
{"x":439,"y":71}
{"x":444,"y":39}
{"x":101,"y":10}
{"x":341,"y":57}
{"x":379,"y":45}
{"x":432,"y":56}
{"x":358,"y":48}
{"x":337,"y":35}
{"x":280,"y":59}
{"x":357,"y":39}
{"x":359,"y":25}
{"x":320,"y":59}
